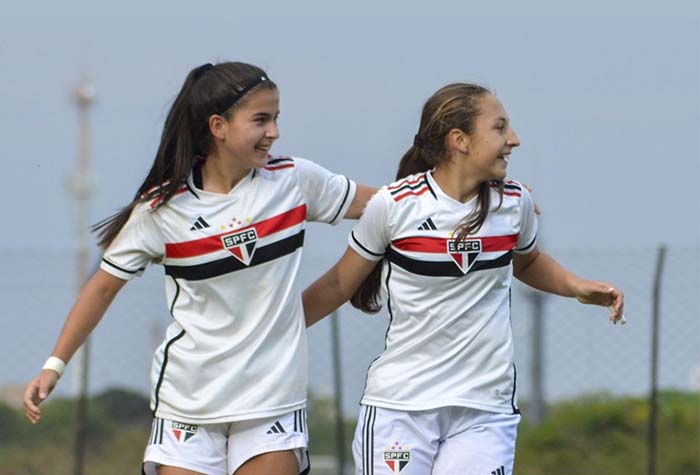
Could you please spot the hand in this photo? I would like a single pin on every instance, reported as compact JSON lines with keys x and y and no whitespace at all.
{"x":538,"y":211}
{"x":36,"y":391}
{"x":605,"y":295}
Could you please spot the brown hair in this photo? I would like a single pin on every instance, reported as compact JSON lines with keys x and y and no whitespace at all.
{"x":208,"y":89}
{"x":455,"y":106}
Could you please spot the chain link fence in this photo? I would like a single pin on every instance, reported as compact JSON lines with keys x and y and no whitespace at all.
{"x":581,"y":353}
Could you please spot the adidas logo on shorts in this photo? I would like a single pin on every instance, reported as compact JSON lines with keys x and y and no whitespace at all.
{"x":276,"y":429}
{"x":499,"y":471}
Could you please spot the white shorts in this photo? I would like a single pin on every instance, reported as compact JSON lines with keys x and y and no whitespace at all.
{"x":220,"y":449}
{"x":443,"y":441}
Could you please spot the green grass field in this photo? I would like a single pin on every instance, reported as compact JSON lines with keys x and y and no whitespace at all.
{"x":589,"y":436}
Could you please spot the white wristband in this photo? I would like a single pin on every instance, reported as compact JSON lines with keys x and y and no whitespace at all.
{"x":55,"y":364}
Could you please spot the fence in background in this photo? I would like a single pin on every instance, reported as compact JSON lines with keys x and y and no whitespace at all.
{"x":580,"y":352}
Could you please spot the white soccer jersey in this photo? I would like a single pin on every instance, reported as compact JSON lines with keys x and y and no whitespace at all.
{"x":449,"y":341}
{"x":237,"y":346}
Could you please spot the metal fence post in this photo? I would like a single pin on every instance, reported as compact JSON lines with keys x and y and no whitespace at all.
{"x":654,"y":396}
{"x":537,"y":410}
{"x":338,"y":385}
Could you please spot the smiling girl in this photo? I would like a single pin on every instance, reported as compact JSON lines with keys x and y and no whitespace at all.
{"x":227,"y":222}
{"x":450,"y":235}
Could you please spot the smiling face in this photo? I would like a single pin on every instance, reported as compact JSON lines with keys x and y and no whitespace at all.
{"x":248,"y":134}
{"x":491,"y":141}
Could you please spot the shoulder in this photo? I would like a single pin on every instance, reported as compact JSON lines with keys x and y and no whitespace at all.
{"x":154,"y":196}
{"x":511,"y":188}
{"x":410,"y":188}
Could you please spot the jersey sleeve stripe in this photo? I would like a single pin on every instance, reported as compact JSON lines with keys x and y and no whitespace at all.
{"x":211,"y":244}
{"x":345,"y":198}
{"x":156,"y":201}
{"x":525,"y":248}
{"x":140,"y":269}
{"x":274,"y":161}
{"x":406,"y":182}
{"x":411,"y":193}
{"x":352,"y":234}
{"x":279,"y":167}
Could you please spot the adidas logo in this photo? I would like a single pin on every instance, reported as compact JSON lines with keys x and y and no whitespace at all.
{"x":276,"y":429}
{"x":428,"y":225}
{"x":199,"y":223}
{"x":499,"y":471}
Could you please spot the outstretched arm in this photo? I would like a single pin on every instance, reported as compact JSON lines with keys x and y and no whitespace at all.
{"x":362,"y":196}
{"x":542,"y":272}
{"x":91,"y":304}
{"x":336,"y":286}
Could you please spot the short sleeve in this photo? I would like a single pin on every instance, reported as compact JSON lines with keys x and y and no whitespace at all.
{"x":527,"y":237}
{"x":372,"y":234}
{"x":328,"y":196}
{"x":138,"y":244}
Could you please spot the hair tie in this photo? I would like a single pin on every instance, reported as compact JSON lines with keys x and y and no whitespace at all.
{"x":199,"y":72}
{"x":418,"y":141}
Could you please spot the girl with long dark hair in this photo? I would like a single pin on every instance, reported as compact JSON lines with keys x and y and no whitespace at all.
{"x":226,"y":220}
{"x":441,"y":246}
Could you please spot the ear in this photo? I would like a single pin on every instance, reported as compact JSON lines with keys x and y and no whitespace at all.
{"x":218,"y":126}
{"x":458,"y":140}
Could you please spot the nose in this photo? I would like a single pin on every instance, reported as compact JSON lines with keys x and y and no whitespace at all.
{"x":513,"y":139}
{"x":273,"y":131}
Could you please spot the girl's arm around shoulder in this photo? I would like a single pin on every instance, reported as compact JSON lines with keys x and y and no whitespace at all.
{"x":336,"y":286}
{"x":540,"y":271}
{"x":362,"y":196}
{"x":92,"y":302}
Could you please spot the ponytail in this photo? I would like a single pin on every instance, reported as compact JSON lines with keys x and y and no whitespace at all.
{"x":453,"y":106}
{"x":208,"y":89}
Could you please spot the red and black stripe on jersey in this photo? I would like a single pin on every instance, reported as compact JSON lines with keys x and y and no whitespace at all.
{"x":510,"y":188}
{"x":212,"y":244}
{"x":279,"y":163}
{"x":411,"y":187}
{"x":444,"y":268}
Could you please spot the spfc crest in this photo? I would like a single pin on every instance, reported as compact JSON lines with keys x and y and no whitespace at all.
{"x":241,"y":244}
{"x":464,"y":253}
{"x":396,"y":458}
{"x":183,"y":432}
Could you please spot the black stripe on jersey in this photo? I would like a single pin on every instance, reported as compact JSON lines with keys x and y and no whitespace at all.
{"x":122,"y":269}
{"x":512,"y":397}
{"x":432,"y":192}
{"x":191,"y":190}
{"x":352,"y":234}
{"x":279,"y":160}
{"x":197,"y":180}
{"x":529,"y":245}
{"x":388,"y":327}
{"x":444,"y":268}
{"x":226,"y":265}
{"x":162,"y":370}
{"x":415,"y":186}
{"x":345,"y":198}
{"x":177,"y":293}
{"x":512,"y":187}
